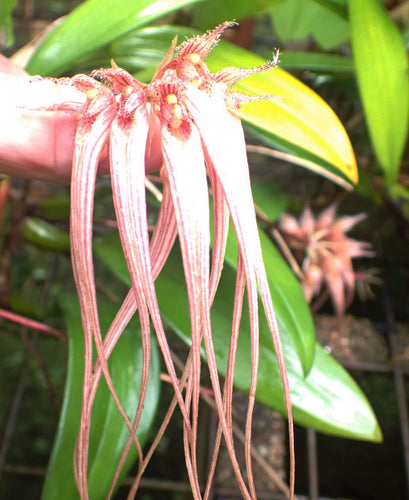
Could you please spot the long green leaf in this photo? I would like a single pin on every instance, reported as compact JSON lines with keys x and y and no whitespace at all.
{"x":108,"y":431}
{"x":381,"y":66}
{"x":139,"y":51}
{"x":44,"y":235}
{"x":93,"y":24}
{"x":327,"y":399}
{"x":339,"y":7}
{"x":288,"y":298}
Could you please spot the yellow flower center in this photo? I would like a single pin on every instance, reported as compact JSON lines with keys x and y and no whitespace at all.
{"x":176,"y":113}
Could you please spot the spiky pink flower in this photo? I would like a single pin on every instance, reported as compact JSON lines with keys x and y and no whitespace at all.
{"x":183,"y":121}
{"x":325,"y":252}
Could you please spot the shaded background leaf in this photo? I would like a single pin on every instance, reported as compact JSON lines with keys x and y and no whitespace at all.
{"x":45,"y":235}
{"x":299,"y":19}
{"x":316,"y":61}
{"x":213,"y":12}
{"x":6,"y":6}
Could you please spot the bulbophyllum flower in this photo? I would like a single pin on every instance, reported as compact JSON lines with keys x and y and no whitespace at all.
{"x":183,"y":122}
{"x":325,"y":254}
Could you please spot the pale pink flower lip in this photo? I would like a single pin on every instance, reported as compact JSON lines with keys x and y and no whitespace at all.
{"x":185,"y":120}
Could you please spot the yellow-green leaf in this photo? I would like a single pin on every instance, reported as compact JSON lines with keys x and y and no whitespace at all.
{"x":297,"y":119}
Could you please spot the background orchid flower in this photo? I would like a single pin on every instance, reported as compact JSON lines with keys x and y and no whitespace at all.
{"x":184,"y":120}
{"x":325,"y":253}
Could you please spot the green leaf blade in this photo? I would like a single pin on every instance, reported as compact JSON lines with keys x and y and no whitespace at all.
{"x":331,"y":390}
{"x":269,"y":199}
{"x":296,"y":117}
{"x":6,"y":6}
{"x":381,"y":67}
{"x":93,"y":24}
{"x":44,"y":235}
{"x":299,"y":19}
{"x":208,"y":14}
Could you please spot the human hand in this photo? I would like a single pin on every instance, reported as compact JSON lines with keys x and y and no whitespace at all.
{"x":37,"y":138}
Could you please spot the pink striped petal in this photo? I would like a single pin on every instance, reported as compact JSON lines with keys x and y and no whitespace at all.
{"x":229,"y":162}
{"x":128,"y":142}
{"x":92,"y":133}
{"x":221,"y":230}
{"x":186,"y":174}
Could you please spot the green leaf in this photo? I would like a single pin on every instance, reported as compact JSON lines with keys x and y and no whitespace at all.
{"x":108,"y":432}
{"x":293,"y":311}
{"x":381,"y":67}
{"x":296,"y":119}
{"x":213,"y":12}
{"x":139,"y":51}
{"x":45,"y":235}
{"x":339,"y":7}
{"x":367,"y":189}
{"x":6,"y":6}
{"x":299,"y":19}
{"x":327,"y":399}
{"x":269,"y":199}
{"x":93,"y":24}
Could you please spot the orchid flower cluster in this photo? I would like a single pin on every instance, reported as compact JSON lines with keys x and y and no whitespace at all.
{"x":325,"y":253}
{"x":184,"y":124}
